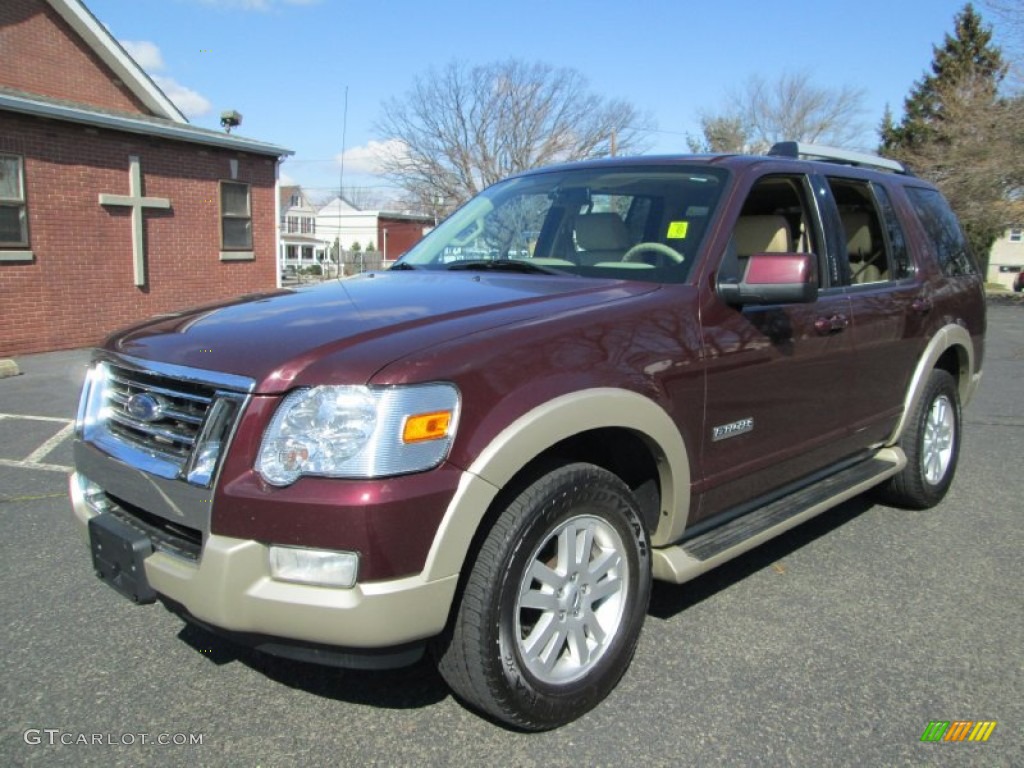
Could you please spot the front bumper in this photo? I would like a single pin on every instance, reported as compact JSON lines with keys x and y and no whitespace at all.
{"x":230,"y":588}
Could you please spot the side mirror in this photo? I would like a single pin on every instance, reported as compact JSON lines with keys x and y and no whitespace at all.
{"x":774,"y":278}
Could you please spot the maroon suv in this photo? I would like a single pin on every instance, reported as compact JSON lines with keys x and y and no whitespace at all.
{"x":587,"y":377}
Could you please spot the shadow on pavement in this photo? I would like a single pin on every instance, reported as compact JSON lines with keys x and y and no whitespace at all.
{"x":668,"y":600}
{"x":405,"y":688}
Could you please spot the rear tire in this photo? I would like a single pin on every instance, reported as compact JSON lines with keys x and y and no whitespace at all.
{"x":931,"y":442}
{"x":553,"y":606}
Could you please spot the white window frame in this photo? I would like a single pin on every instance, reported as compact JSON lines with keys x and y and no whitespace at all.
{"x":17,"y":250}
{"x":236,"y":252}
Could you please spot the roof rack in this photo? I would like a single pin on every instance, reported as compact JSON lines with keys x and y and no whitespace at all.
{"x":800,"y":150}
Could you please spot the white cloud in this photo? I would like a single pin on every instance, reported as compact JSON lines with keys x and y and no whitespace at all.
{"x":191,"y":103}
{"x":367,"y":158}
{"x":146,"y":54}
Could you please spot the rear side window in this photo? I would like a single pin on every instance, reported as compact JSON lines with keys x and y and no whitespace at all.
{"x":875,"y":248}
{"x":943,"y":231}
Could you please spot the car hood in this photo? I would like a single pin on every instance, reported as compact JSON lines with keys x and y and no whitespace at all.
{"x":346,"y":330}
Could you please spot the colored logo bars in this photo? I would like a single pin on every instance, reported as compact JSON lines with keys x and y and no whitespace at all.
{"x":958,"y":730}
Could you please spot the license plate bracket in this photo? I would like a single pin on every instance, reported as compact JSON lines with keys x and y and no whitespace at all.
{"x":118,"y":552}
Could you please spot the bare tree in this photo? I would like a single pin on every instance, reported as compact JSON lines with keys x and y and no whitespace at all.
{"x":1010,"y":31}
{"x":790,"y":108}
{"x":721,"y":133}
{"x":458,"y":130}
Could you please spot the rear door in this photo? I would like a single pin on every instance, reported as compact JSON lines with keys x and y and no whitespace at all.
{"x":778,"y":376}
{"x":889,"y":301}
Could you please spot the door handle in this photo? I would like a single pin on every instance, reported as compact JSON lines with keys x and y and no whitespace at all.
{"x":923,"y":306}
{"x":834,"y":324}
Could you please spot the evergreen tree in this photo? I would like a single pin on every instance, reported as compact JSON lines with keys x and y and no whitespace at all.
{"x":961,"y":133}
{"x":966,"y":57}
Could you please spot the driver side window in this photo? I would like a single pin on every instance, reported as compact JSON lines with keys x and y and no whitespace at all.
{"x":775,"y":218}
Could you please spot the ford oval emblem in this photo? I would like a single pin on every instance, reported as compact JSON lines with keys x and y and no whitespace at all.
{"x":144,"y":407}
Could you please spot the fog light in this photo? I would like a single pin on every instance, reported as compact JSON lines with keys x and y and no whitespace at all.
{"x":314,"y":566}
{"x":94,"y":496}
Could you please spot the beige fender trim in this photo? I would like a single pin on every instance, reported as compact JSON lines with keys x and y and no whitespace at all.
{"x":536,"y":431}
{"x":948,"y":336}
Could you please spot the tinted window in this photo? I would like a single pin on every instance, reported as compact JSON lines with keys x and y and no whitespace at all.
{"x":943,"y":231}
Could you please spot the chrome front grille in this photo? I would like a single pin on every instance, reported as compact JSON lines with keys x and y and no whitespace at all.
{"x":181,"y":410}
{"x":167,"y":420}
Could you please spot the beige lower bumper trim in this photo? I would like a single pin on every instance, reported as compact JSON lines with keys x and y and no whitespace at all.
{"x":231,"y":588}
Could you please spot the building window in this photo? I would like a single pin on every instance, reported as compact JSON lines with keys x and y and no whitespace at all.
{"x":1016,"y":235}
{"x":13,"y":215}
{"x":236,"y":216}
{"x":294,"y":201}
{"x":307,"y":252}
{"x":291,"y":252}
{"x":292,"y":225}
{"x":307,"y":225}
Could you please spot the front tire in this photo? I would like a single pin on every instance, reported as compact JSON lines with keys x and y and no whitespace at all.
{"x":931,"y":442}
{"x":553,"y":606}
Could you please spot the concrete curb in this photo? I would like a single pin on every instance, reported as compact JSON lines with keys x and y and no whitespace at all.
{"x":8,"y":368}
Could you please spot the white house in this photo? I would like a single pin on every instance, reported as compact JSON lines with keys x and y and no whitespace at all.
{"x":1006,"y":258}
{"x":340,"y":220}
{"x":390,"y":233}
{"x":300,"y":245}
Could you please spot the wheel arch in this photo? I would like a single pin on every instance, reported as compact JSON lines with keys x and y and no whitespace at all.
{"x":950,"y":350}
{"x":624,"y":432}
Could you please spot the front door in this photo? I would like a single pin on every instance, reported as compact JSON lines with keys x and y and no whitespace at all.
{"x":777,"y":375}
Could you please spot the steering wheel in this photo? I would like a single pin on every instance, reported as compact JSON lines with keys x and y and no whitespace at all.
{"x":665,"y":250}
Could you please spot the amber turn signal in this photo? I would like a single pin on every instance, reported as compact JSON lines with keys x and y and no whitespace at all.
{"x":426,"y":426}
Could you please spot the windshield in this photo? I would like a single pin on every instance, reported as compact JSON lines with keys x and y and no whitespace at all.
{"x":632,"y":223}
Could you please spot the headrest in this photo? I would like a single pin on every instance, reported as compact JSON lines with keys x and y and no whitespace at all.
{"x":858,"y":234}
{"x":601,"y":232}
{"x":762,"y":234}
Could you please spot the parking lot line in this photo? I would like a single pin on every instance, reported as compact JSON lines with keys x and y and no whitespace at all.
{"x":34,"y":459}
{"x":34,"y":418}
{"x":50,"y":444}
{"x":34,"y":465}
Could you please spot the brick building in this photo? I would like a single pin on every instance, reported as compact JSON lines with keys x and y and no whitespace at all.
{"x":112,"y":207}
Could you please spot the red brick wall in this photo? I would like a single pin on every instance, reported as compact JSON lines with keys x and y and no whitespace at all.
{"x":402,"y":235}
{"x":80,"y":285}
{"x":40,"y":53}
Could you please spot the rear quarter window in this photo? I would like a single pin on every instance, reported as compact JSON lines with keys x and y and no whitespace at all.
{"x":943,"y":231}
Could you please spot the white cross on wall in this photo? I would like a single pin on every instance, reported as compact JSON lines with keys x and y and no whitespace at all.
{"x":136,"y":202}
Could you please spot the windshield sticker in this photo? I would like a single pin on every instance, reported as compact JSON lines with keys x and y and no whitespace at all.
{"x":677,"y":230}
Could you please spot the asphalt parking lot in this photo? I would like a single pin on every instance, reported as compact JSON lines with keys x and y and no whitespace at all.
{"x":836,"y":645}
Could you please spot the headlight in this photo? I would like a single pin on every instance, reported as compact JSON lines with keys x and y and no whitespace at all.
{"x":359,"y":432}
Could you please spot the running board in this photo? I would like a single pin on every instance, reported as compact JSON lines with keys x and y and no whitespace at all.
{"x":681,"y":562}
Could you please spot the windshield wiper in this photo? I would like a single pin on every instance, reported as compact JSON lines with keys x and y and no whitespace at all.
{"x":504,"y":265}
{"x":400,"y":265}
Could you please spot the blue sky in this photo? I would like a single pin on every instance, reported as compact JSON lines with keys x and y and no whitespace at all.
{"x":285,"y":64}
